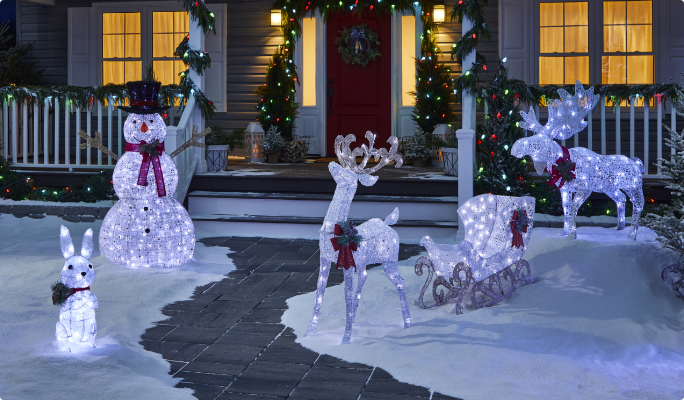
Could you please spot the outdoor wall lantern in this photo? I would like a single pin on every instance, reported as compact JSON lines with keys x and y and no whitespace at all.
{"x":438,"y":13}
{"x":276,"y":17}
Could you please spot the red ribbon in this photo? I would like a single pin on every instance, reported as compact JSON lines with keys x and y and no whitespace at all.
{"x":144,"y":103}
{"x":345,"y":258}
{"x":517,"y":236}
{"x":73,"y":291}
{"x":555,"y":173}
{"x":145,"y":166}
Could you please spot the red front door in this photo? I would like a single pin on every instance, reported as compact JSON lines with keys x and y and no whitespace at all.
{"x":361,"y":96}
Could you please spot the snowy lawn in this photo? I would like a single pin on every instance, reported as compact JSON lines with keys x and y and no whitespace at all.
{"x":130,"y":301}
{"x":599,"y":324}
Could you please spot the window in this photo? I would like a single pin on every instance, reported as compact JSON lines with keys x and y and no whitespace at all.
{"x":408,"y":62}
{"x":168,"y":30}
{"x":121,"y":58}
{"x":627,"y":42}
{"x":564,"y":42}
{"x":309,"y":62}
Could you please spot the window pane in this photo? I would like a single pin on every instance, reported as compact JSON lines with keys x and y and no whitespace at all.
{"x":180,"y":21}
{"x":577,"y":13}
{"x":179,"y":67}
{"x":112,"y":23}
{"x":162,"y":22}
{"x":309,"y":62}
{"x":551,"y":14}
{"x":133,"y":71}
{"x":639,"y":12}
{"x":163,"y":71}
{"x":132,"y":22}
{"x":163,"y":45}
{"x":614,"y":12}
{"x":613,"y":70}
{"x":132,"y":46}
{"x":113,"y":72}
{"x":640,"y":38}
{"x":576,"y":68}
{"x":640,"y":70}
{"x":551,"y":40}
{"x":550,"y":70}
{"x":614,"y":38}
{"x":113,"y":46}
{"x":408,"y":63}
{"x":576,"y":39}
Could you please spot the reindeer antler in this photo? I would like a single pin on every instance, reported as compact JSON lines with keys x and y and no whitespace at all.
{"x":96,"y":142}
{"x":347,"y":157}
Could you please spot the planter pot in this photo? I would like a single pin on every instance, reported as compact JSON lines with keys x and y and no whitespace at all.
{"x":450,"y":161}
{"x":419,"y":161}
{"x":217,"y":157}
{"x":272,"y":157}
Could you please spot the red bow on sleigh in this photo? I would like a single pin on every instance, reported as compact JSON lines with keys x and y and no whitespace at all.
{"x":563,"y":171}
{"x":519,"y":225}
{"x":145,"y":166}
{"x":345,"y":258}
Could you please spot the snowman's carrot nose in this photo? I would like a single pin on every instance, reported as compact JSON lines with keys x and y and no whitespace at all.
{"x":143,"y":128}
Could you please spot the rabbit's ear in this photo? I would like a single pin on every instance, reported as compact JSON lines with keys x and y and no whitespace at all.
{"x":65,"y":241}
{"x":87,"y":245}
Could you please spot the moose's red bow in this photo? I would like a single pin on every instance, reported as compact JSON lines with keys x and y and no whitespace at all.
{"x":563,"y":171}
{"x":345,"y":258}
{"x":149,"y":154}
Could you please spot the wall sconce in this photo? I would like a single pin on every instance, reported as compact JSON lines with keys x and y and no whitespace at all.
{"x":438,"y":13}
{"x":276,"y":17}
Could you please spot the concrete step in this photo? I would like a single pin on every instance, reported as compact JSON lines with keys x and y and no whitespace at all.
{"x":363,"y":207}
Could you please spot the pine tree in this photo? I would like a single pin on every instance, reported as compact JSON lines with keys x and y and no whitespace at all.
{"x":500,"y":172}
{"x":272,"y":140}
{"x":417,"y":146}
{"x":277,"y":106}
{"x":670,"y":227}
{"x":13,"y":69}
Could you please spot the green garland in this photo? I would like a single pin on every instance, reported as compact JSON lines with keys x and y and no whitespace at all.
{"x":469,"y":80}
{"x":199,"y":60}
{"x":617,"y":93}
{"x":200,"y":13}
{"x":473,"y":10}
{"x":349,"y":56}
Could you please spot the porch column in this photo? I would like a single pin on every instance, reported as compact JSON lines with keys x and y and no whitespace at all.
{"x":466,"y":139}
{"x":196,"y":41}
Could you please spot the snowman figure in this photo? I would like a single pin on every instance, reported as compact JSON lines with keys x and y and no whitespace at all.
{"x":147,"y":226}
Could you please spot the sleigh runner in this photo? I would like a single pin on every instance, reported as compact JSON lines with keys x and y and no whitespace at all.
{"x":489,"y":261}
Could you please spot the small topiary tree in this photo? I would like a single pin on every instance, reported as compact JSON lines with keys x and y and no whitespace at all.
{"x":272,"y":140}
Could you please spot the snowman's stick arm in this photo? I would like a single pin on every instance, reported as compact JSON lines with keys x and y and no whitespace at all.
{"x":194,"y":140}
{"x":96,"y":142}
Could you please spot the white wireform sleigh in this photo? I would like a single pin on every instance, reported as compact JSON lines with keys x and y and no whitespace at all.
{"x":489,"y":261}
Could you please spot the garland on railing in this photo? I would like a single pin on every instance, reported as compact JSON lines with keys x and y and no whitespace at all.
{"x":198,"y":59}
{"x":615,"y":92}
{"x":473,"y":10}
{"x":199,"y":12}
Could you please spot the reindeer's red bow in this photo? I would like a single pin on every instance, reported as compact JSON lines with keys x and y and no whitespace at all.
{"x":563,"y":171}
{"x":345,"y":258}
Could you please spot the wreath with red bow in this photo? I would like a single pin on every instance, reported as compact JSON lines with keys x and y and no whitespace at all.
{"x":563,"y":171}
{"x":358,"y":45}
{"x":347,"y":241}
{"x":519,"y":224}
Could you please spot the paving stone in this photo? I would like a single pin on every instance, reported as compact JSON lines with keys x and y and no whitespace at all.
{"x":214,"y":368}
{"x":284,"y":349}
{"x":326,"y":383}
{"x":176,"y":366}
{"x":72,"y":218}
{"x":22,"y":210}
{"x":54,"y":210}
{"x":439,"y":396}
{"x":87,"y":218}
{"x":202,"y":392}
{"x":382,"y":382}
{"x":242,"y":396}
{"x":38,"y":209}
{"x":86,"y":210}
{"x":251,"y":334}
{"x":231,"y":307}
{"x":72,"y":210}
{"x":206,"y":379}
{"x":225,"y":321}
{"x":173,"y":350}
{"x":194,"y":334}
{"x":5,"y":209}
{"x":157,"y":332}
{"x":36,"y":216}
{"x":230,"y":354}
{"x":183,"y":318}
{"x":196,"y":303}
{"x":278,"y":304}
{"x":329,"y":361}
{"x":274,"y":241}
{"x":256,"y":286}
{"x":264,"y":315}
{"x":296,"y":283}
{"x":273,"y":379}
{"x":102,"y":212}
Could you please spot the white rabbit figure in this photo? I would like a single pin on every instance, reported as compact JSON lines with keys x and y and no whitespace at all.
{"x":77,"y":314}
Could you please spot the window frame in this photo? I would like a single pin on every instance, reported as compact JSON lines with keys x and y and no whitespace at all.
{"x":595,"y":40}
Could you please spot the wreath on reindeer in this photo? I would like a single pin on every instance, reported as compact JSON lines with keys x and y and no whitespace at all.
{"x":358,"y":45}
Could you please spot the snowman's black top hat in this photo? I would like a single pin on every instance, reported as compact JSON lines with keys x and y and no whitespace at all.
{"x":144,"y":98}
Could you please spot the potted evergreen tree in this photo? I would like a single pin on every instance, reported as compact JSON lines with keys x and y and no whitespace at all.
{"x":219,"y":145}
{"x":417,"y":148}
{"x":272,"y":145}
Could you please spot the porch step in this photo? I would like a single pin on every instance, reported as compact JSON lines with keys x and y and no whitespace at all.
{"x":301,"y":215}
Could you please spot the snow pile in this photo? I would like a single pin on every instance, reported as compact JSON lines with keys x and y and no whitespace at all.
{"x":599,"y":324}
{"x":130,"y":301}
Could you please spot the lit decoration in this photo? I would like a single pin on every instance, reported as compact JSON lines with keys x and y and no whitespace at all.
{"x":380,"y":243}
{"x":594,"y":173}
{"x":77,"y":313}
{"x":147,"y":226}
{"x":491,"y":251}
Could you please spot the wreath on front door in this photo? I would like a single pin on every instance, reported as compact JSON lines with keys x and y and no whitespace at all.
{"x":358,"y":45}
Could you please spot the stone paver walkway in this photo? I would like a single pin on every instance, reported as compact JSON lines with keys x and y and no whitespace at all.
{"x":227,"y":341}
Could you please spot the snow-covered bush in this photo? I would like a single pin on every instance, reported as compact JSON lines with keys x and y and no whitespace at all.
{"x":417,"y":147}
{"x":272,"y":140}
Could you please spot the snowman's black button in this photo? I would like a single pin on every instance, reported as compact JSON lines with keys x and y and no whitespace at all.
{"x":147,"y":230}
{"x":145,"y":208}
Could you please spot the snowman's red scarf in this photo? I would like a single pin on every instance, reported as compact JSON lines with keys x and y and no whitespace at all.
{"x":145,"y":166}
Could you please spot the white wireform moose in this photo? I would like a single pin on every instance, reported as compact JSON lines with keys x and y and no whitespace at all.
{"x":380,"y":243}
{"x":77,"y":314}
{"x":593,"y":172}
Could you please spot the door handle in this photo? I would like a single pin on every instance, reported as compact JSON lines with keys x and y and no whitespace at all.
{"x":330,"y":96}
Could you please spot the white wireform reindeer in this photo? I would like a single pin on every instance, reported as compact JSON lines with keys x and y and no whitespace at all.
{"x":380,"y":243}
{"x":593,"y":172}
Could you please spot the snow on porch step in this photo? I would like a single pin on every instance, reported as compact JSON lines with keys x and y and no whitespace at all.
{"x":363,"y":207}
{"x":410,"y":231}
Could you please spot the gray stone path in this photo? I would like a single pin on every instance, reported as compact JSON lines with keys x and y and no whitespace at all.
{"x":227,"y":341}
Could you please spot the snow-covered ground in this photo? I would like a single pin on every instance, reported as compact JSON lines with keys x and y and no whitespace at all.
{"x":130,"y":301}
{"x":599,"y":324}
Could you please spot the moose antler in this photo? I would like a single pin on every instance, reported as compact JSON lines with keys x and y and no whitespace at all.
{"x":566,"y":116}
{"x":347,"y":156}
{"x":194,"y":140}
{"x":96,"y":142}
